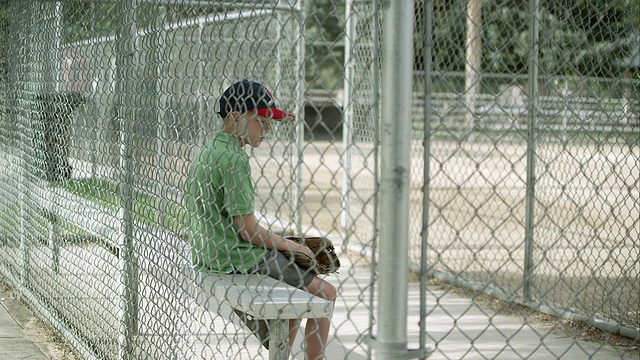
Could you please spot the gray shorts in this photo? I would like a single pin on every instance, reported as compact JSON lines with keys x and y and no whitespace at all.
{"x":279,"y":267}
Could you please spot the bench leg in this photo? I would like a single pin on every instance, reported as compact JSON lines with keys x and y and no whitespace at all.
{"x":279,"y":339}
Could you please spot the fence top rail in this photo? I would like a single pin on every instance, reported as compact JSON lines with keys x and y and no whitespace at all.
{"x":601,"y":103}
{"x":525,"y":76}
{"x":183,"y":24}
{"x":225,"y":4}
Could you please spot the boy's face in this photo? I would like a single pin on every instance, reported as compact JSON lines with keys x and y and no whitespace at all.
{"x":251,"y":128}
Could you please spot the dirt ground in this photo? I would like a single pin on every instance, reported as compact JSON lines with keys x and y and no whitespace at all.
{"x":40,"y":333}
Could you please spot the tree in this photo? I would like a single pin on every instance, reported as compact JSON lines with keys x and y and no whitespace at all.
{"x":577,"y":37}
{"x":506,"y":35}
{"x":4,"y":40}
{"x":587,"y":37}
{"x":324,"y":34}
{"x":448,"y":35}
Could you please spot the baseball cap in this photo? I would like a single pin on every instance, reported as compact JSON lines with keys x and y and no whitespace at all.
{"x":248,"y":95}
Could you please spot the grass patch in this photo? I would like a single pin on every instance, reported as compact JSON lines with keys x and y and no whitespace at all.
{"x":147,"y":208}
{"x":9,"y":223}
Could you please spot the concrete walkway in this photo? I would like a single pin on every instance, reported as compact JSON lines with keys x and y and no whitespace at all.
{"x":22,"y":335}
{"x":457,"y":328}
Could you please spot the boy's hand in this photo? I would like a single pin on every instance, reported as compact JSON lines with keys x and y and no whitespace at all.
{"x":316,"y":253}
{"x":301,"y":248}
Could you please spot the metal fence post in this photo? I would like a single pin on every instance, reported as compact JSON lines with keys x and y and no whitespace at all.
{"x":473,"y":61}
{"x":161,"y":101}
{"x":128,"y":269}
{"x":350,"y":32}
{"x":376,"y":122}
{"x":57,"y":45}
{"x":300,"y":9}
{"x":534,"y":6}
{"x":26,"y":151}
{"x":427,"y":58}
{"x":397,"y":87}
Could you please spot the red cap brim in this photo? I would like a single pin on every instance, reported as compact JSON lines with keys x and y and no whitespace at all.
{"x":274,"y":113}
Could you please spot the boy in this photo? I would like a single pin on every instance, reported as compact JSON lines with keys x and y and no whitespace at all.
{"x":225,"y":234}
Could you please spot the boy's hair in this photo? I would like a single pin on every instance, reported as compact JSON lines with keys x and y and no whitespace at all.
{"x":248,"y":95}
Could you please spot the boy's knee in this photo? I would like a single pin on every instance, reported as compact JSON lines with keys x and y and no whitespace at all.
{"x":334,"y":294}
{"x":330,"y":291}
{"x":323,"y":289}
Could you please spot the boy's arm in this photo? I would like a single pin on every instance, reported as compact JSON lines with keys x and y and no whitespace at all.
{"x":251,"y":231}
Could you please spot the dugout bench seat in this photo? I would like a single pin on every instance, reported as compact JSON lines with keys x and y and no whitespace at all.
{"x":260,"y":297}
{"x":263,"y":298}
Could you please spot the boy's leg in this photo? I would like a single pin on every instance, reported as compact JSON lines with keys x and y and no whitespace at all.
{"x":279,"y":267}
{"x":317,"y":330}
{"x":294,"y":325}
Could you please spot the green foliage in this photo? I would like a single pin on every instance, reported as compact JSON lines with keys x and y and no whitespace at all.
{"x":145,"y":206}
{"x":586,"y":37}
{"x":89,"y":19}
{"x":577,"y":37}
{"x":324,"y":34}
{"x":4,"y":39}
{"x":506,"y":38}
{"x":448,"y":35}
{"x":83,"y":20}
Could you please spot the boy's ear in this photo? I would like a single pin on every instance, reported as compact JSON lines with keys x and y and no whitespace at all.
{"x":234,"y":116}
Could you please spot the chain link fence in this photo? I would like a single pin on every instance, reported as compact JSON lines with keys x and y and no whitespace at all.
{"x":532,"y":191}
{"x":523,"y":176}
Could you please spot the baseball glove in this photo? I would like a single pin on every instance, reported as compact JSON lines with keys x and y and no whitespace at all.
{"x":326,"y":260}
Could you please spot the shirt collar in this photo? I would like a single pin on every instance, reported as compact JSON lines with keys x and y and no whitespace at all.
{"x":226,"y":138}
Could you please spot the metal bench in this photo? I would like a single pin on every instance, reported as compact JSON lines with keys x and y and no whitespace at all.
{"x":263,"y":298}
{"x":260,"y":297}
{"x":99,"y":222}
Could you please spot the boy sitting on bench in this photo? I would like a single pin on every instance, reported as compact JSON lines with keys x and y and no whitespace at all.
{"x":225,"y":234}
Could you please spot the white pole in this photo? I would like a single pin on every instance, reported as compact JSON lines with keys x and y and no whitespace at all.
{"x":128,"y":267}
{"x":473,"y":60}
{"x":299,"y":109}
{"x":347,"y":110}
{"x":396,"y":100}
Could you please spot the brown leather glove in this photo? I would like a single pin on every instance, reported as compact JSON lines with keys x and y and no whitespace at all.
{"x":326,"y":260}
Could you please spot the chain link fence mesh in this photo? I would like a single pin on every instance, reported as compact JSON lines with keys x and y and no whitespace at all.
{"x":524,"y":165}
{"x":575,"y":250}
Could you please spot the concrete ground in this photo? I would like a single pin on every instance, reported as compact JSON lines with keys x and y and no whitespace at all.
{"x":23,"y":335}
{"x":458,"y":328}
